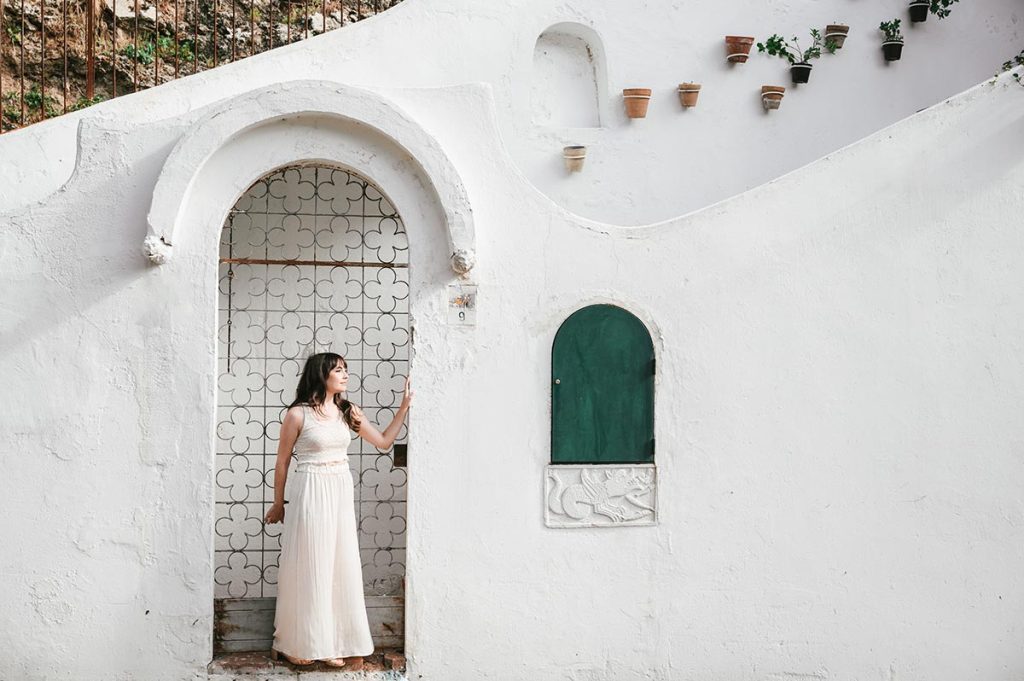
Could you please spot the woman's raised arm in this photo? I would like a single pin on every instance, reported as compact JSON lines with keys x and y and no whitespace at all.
{"x":384,"y":440}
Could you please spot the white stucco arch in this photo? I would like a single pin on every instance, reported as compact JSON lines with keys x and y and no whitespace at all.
{"x":296,"y":100}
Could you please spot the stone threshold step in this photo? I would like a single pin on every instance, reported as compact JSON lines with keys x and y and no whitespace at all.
{"x":383,"y":665}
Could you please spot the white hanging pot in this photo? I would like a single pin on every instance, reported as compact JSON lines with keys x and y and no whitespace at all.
{"x":574,"y":156}
{"x":771,"y":96}
{"x":837,"y":34}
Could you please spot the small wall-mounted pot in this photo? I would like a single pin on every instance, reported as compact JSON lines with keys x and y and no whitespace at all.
{"x":688,"y":93}
{"x":837,"y":34}
{"x":574,"y":156}
{"x":892,"y":49}
{"x":737,"y":48}
{"x":771,"y":96}
{"x":636,"y":99}
{"x":801,"y":72}
{"x":919,"y":11}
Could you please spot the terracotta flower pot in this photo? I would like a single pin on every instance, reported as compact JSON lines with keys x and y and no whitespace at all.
{"x":688,"y":93}
{"x":737,"y":48}
{"x":637,"y":99}
{"x":771,"y":96}
{"x":574,"y":156}
{"x":892,"y":49}
{"x":837,"y":34}
{"x":919,"y":11}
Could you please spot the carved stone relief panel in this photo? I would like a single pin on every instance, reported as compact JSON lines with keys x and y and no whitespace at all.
{"x":600,"y":496}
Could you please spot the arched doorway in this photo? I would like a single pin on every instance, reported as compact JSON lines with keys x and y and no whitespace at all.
{"x":312,"y":258}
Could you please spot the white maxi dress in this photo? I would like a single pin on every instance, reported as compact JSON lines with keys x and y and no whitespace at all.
{"x":321,"y":612}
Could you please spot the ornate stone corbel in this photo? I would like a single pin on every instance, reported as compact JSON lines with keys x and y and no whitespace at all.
{"x":156,"y":249}
{"x":463,"y":261}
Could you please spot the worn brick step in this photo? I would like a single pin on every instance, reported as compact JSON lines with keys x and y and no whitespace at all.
{"x":386,"y":665}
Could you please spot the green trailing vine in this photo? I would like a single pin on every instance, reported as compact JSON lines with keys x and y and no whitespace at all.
{"x":777,"y":46}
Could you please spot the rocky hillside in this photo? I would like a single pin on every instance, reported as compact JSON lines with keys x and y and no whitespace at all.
{"x":44,"y":52}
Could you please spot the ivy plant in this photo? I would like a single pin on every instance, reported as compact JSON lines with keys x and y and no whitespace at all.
{"x":777,"y":46}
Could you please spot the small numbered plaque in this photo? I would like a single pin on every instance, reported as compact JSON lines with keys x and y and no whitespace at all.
{"x":462,"y":304}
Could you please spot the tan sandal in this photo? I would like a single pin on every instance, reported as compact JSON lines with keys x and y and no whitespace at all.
{"x":297,"y":661}
{"x":336,"y":662}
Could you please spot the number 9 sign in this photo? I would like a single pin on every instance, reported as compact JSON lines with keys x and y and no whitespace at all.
{"x":462,"y":304}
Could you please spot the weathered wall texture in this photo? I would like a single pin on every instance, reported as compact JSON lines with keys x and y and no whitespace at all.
{"x":840,"y":450}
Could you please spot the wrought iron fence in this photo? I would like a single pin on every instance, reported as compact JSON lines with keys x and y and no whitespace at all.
{"x":313,"y":259}
{"x":63,"y":55}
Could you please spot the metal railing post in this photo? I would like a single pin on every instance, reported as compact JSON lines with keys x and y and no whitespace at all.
{"x":1,"y":70}
{"x":90,"y":49}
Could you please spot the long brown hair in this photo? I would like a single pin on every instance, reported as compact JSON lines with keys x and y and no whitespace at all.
{"x":312,"y":390}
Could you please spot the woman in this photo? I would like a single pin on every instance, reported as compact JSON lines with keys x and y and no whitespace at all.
{"x":321,"y":614}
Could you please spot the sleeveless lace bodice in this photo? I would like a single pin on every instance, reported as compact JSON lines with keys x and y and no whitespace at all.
{"x":321,"y":442}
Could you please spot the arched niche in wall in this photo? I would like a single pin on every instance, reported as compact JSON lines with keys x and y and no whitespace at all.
{"x":602,"y":421}
{"x":568,"y":77}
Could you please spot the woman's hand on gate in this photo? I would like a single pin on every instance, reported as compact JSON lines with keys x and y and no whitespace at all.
{"x":275,"y":514}
{"x":407,"y":394}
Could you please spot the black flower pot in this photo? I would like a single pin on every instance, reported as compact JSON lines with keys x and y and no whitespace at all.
{"x":801,"y":72}
{"x":892,"y":50}
{"x":918,"y":12}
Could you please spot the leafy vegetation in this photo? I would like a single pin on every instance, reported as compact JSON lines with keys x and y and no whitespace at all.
{"x":891,"y":29}
{"x":84,"y":102}
{"x":777,"y":46}
{"x":37,"y":106}
{"x":13,"y":32}
{"x":146,"y":51}
{"x":941,"y":8}
{"x":132,"y":54}
{"x":1013,"y":63}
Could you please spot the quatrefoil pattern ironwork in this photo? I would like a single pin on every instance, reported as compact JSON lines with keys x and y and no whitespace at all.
{"x":313,"y":259}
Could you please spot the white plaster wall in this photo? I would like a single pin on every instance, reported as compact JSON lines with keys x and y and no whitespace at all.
{"x":108,"y":553}
{"x":840,"y":449}
{"x":839,"y":445}
{"x":675,"y":161}
{"x":637,"y":172}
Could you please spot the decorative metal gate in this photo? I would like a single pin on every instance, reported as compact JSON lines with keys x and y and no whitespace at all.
{"x":313,"y":259}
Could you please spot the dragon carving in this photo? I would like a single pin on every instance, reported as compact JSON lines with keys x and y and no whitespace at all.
{"x":603,"y":496}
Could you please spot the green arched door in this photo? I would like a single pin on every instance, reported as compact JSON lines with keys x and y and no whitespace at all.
{"x":602,"y":389}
